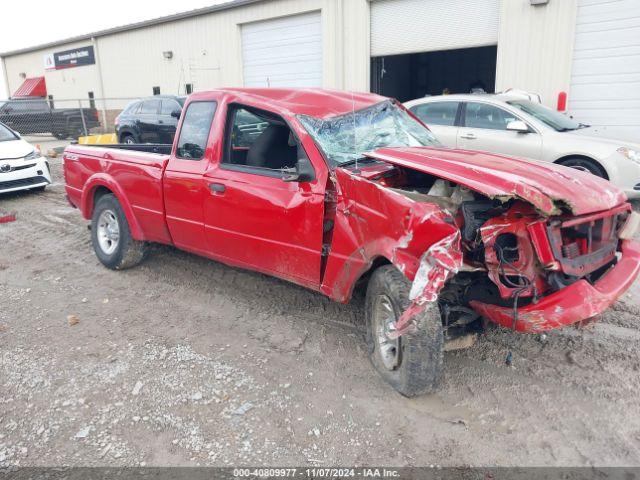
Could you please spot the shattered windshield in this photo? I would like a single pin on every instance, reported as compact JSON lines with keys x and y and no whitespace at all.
{"x":345,"y":138}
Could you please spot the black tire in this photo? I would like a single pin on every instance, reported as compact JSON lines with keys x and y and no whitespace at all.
{"x":128,"y":138}
{"x":75,"y":130}
{"x":585,"y":164}
{"x":60,"y":135}
{"x":420,"y":361}
{"x":128,"y":252}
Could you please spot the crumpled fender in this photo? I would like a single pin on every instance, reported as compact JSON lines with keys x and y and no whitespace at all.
{"x":373,"y":222}
{"x":102,"y":179}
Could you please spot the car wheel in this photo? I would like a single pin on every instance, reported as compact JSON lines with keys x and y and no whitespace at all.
{"x":584,"y":164}
{"x":413,"y":363}
{"x":128,"y":139}
{"x":111,"y":236}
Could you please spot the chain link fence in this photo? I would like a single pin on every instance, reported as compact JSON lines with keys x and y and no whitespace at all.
{"x":62,"y":119}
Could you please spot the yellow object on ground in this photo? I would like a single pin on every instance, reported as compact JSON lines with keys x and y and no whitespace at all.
{"x":106,"y":139}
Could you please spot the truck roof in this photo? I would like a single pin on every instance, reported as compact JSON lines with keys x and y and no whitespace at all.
{"x":315,"y":102}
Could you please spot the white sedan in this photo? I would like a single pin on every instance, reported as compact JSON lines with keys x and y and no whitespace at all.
{"x":22,"y":167}
{"x":513,"y":126}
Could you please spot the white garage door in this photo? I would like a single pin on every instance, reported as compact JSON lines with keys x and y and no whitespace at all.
{"x":284,"y":52}
{"x":605,"y":77}
{"x":411,"y":26}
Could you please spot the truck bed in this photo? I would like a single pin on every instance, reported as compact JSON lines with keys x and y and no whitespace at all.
{"x":134,"y":176}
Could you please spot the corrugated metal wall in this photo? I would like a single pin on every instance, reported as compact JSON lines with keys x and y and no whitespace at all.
{"x":535,"y":47}
{"x":206,"y":52}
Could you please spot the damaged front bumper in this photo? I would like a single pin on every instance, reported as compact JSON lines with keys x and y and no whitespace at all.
{"x":577,"y":302}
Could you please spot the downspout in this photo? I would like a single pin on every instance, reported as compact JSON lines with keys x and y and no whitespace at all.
{"x":100,"y":83}
{"x":6,"y":77}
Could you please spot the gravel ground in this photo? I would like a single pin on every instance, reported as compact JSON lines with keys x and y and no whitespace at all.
{"x":184,"y":361}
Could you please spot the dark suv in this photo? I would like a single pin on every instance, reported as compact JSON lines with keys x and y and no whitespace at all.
{"x":150,"y":120}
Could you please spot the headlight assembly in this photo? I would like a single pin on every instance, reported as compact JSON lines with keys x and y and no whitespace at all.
{"x":33,"y":155}
{"x":630,"y":153}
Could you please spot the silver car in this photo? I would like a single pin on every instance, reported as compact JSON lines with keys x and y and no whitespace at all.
{"x":517,"y":127}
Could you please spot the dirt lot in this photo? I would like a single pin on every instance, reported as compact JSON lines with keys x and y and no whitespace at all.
{"x":184,"y":361}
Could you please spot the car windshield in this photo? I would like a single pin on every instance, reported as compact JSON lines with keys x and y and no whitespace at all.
{"x":6,"y":134}
{"x":345,"y":138}
{"x":555,"y":120}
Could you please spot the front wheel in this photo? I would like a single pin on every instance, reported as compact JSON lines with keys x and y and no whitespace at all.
{"x":584,"y":164}
{"x":111,"y":236}
{"x":413,"y":363}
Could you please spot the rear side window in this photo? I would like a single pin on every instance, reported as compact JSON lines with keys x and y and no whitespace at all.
{"x":195,"y":130}
{"x":150,"y":106}
{"x":437,"y":113}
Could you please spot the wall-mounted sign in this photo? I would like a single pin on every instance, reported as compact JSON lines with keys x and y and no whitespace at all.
{"x":70,"y":58}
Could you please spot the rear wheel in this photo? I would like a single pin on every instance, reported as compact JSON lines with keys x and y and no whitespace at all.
{"x":584,"y":164}
{"x":413,"y":363}
{"x":111,"y":236}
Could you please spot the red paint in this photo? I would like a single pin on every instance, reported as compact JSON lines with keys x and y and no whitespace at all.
{"x":261,"y":223}
{"x":562,"y":102}
{"x":574,"y":303}
{"x":6,"y":218}
{"x":32,"y":87}
{"x":544,"y":185}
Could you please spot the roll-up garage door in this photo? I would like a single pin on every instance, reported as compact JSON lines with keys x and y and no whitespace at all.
{"x":284,"y":52}
{"x":605,"y":76}
{"x":409,"y":26}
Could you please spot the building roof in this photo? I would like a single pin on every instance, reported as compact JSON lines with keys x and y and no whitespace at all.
{"x":134,"y":26}
{"x":315,"y":102}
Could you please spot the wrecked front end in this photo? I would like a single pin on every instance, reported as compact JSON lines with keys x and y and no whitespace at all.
{"x":498,"y":258}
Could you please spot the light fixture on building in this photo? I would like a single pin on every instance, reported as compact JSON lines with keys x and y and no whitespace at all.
{"x":22,"y":75}
{"x":168,"y":54}
{"x":538,"y":2}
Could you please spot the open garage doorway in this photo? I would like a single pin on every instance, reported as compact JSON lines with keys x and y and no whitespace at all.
{"x":415,"y":75}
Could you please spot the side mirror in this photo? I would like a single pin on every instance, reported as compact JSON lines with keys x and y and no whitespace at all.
{"x":304,"y":172}
{"x":176,"y":113}
{"x":518,"y":126}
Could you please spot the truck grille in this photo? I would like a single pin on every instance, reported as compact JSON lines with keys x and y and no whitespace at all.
{"x":584,"y":244}
{"x":22,"y":182}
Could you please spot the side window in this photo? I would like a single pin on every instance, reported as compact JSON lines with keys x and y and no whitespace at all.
{"x":195,"y":130}
{"x":260,"y":140}
{"x":482,"y":115}
{"x":150,"y":107}
{"x":437,"y":113}
{"x":169,"y":106}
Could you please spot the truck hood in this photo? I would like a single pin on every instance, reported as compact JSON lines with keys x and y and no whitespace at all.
{"x":552,"y":189}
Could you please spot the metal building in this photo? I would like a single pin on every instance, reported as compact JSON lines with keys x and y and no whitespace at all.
{"x":589,"y":49}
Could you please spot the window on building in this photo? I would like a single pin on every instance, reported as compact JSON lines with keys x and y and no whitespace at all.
{"x":92,"y":102}
{"x":51,"y":102}
{"x":188,"y":88}
{"x":195,"y":130}
{"x":156,"y":90}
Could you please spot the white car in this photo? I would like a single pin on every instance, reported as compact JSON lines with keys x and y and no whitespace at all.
{"x":22,"y":167}
{"x":515,"y":126}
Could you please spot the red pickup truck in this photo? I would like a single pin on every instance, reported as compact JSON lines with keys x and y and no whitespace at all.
{"x":336,"y":191}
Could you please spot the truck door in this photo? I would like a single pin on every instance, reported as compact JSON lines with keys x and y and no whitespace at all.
{"x":253,"y":217}
{"x":184,"y":188}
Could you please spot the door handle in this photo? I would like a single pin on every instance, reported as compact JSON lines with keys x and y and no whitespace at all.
{"x":216,"y":188}
{"x":468,"y":136}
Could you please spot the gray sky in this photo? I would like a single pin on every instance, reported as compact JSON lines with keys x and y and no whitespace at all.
{"x":23,"y":27}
